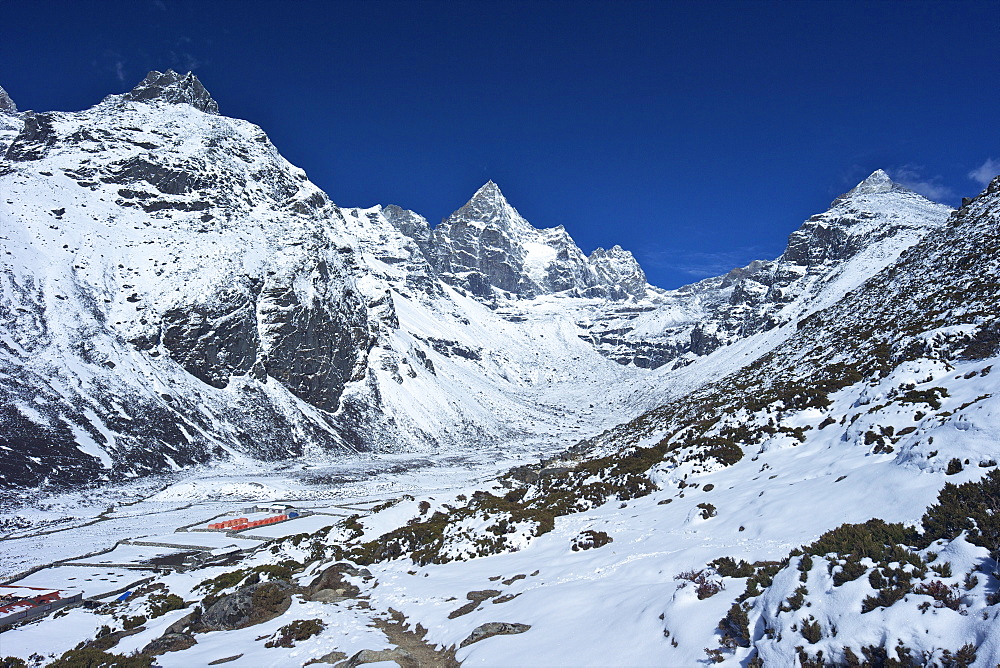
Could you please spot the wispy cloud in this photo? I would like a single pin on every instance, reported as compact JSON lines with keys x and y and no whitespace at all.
{"x":985,"y":172}
{"x":852,"y":176}
{"x":702,"y":265}
{"x":113,"y":62}
{"x":181,"y":58}
{"x":912,"y":176}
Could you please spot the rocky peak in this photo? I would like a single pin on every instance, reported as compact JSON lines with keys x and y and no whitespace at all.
{"x":876,"y":184}
{"x":615,"y":261}
{"x":7,"y":105}
{"x":616,"y":252}
{"x":410,"y":224}
{"x":490,"y":207}
{"x":175,"y":88}
{"x":487,"y":244}
{"x":875,"y":209}
{"x":617,"y":267}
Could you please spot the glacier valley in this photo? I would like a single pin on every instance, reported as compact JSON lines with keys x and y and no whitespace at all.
{"x":498,"y":450}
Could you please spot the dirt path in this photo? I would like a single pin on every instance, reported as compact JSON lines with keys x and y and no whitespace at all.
{"x":418,"y":652}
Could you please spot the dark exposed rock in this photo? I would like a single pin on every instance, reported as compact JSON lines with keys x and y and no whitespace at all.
{"x":329,"y":657}
{"x":169,"y":642}
{"x":175,"y":179}
{"x":214,"y":341}
{"x":704,"y":339}
{"x":589,"y":539}
{"x":313,"y":347}
{"x":482,"y":594}
{"x":34,"y":140}
{"x":249,"y":605}
{"x":396,"y":654}
{"x":412,"y":225}
{"x":331,"y":584}
{"x":7,"y":105}
{"x":182,"y":625}
{"x":490,"y":629}
{"x":172,"y":87}
{"x":476,"y":597}
{"x":453,"y":348}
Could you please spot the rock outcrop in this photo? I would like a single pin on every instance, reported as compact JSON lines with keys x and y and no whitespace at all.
{"x":249,"y":605}
{"x":490,"y":629}
{"x":174,"y":88}
{"x":7,"y":105}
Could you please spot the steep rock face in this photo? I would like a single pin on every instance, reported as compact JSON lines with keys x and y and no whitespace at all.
{"x":7,"y":105}
{"x":477,"y":246}
{"x":618,"y":270}
{"x":36,"y":136}
{"x":170,"y":285}
{"x":10,"y":121}
{"x":487,"y":245}
{"x":412,"y":225}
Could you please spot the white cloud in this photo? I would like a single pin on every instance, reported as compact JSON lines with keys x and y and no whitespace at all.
{"x":912,"y":177}
{"x":985,"y":172}
{"x":120,"y":71}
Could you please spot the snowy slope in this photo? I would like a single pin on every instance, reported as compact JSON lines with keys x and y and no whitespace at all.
{"x":175,"y":292}
{"x":566,"y":595}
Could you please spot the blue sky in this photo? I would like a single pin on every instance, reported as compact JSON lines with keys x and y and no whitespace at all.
{"x":698,"y":135}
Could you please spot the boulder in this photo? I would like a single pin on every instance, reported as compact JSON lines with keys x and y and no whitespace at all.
{"x":490,"y":629}
{"x":330,"y":586}
{"x":249,"y":605}
{"x":169,"y":642}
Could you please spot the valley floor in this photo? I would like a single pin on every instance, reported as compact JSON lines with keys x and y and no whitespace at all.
{"x":615,"y":585}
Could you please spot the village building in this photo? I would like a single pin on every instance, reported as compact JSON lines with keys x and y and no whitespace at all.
{"x":19,"y":603}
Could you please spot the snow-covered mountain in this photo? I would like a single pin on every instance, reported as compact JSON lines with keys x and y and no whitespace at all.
{"x":791,"y":464}
{"x":832,"y":253}
{"x":790,"y":513}
{"x":486,"y":246}
{"x":174,"y":291}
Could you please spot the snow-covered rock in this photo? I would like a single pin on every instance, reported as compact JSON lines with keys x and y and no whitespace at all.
{"x":7,"y":105}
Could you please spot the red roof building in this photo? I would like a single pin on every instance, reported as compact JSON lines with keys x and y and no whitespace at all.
{"x":19,"y":603}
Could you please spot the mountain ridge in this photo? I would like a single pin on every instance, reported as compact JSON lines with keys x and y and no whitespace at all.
{"x":168,"y":251}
